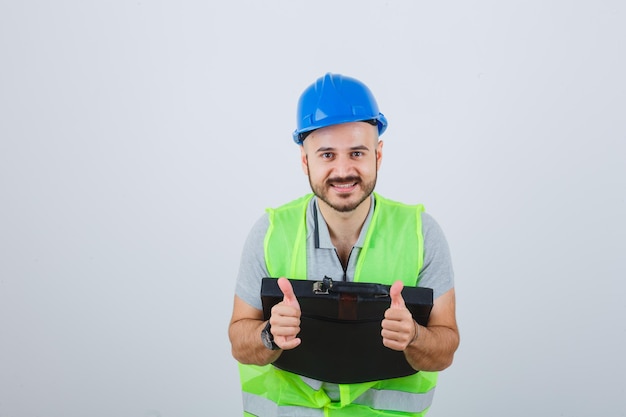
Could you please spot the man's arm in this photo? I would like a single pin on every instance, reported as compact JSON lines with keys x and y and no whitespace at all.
{"x":427,"y":348}
{"x":244,"y":332}
{"x":247,"y":323}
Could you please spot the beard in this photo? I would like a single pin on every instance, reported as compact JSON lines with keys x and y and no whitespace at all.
{"x":348,"y":202}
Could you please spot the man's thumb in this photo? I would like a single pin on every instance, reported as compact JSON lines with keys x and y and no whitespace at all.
{"x":289,"y":298}
{"x":395,"y":292}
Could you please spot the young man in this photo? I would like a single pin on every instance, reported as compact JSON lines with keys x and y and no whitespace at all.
{"x":345,"y":231}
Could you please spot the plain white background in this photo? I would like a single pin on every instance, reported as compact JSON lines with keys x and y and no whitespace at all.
{"x":140,"y":140}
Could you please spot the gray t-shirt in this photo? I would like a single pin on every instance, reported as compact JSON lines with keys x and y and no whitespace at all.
{"x":322,"y":259}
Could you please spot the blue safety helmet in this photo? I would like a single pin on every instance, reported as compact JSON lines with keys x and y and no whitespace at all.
{"x":335,"y":99}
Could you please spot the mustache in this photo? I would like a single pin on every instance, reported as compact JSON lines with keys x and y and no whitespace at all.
{"x":351,"y":178}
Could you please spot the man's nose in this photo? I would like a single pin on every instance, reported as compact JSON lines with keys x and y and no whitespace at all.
{"x":344,"y":166}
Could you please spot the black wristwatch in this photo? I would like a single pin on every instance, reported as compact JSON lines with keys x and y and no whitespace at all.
{"x":268,"y":338}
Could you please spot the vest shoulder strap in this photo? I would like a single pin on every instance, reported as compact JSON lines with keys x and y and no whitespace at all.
{"x":394,"y":244}
{"x":285,"y":240}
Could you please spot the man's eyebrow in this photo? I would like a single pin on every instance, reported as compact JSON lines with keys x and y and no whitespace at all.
{"x":353,"y":148}
{"x":325,"y":149}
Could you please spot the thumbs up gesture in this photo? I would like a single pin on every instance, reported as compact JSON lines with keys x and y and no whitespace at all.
{"x":398,"y":327}
{"x":285,"y":318}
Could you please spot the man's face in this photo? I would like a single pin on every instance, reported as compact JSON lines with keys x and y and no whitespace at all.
{"x":341,"y":162}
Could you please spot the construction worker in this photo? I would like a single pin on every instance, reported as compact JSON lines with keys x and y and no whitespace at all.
{"x":343,"y":229}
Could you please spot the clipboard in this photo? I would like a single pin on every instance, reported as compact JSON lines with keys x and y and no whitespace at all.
{"x":340,"y":329}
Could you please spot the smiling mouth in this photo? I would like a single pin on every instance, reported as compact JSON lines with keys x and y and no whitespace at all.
{"x":344,"y":186}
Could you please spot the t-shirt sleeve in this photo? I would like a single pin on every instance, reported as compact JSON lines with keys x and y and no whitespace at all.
{"x":252,"y":266}
{"x":437,"y":272}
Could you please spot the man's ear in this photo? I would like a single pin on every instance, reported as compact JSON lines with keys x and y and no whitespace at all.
{"x":379,"y":154}
{"x":304,"y":161}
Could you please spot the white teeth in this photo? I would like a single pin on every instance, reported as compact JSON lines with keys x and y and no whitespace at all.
{"x":344,"y":185}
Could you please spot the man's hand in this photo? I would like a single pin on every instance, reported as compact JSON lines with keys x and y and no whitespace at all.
{"x":398,"y":327}
{"x":285,"y":318}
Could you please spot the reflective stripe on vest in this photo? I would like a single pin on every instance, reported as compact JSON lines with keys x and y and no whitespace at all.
{"x":267,"y":389}
{"x":389,"y":253}
{"x":407,"y":402}
{"x":411,"y":403}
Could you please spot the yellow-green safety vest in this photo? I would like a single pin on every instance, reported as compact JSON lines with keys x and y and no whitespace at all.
{"x":393,"y":250}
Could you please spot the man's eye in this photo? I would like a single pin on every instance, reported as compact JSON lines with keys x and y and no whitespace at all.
{"x":327,"y":155}
{"x":357,"y":154}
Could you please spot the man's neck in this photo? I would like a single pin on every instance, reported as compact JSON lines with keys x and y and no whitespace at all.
{"x":345,"y":227}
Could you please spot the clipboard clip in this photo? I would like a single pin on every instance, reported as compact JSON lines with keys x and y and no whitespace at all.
{"x":322,"y":287}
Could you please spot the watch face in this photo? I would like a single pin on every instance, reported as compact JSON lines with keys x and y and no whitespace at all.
{"x":266,"y":336}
